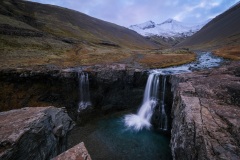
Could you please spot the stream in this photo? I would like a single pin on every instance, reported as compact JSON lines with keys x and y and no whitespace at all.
{"x":129,"y":135}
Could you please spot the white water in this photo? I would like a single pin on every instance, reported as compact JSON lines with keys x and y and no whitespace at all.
{"x":142,"y":118}
{"x":150,"y":101}
{"x":84,"y":91}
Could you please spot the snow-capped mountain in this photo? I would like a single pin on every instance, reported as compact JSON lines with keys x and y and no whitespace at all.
{"x":168,"y":28}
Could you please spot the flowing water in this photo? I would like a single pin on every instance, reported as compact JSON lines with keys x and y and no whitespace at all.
{"x":151,"y":100}
{"x":118,"y":138}
{"x":84,"y":101}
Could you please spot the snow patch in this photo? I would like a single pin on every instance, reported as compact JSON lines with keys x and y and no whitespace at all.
{"x":168,"y":28}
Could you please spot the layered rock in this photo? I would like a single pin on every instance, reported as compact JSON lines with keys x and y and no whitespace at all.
{"x":206,"y":114}
{"x":110,"y":88}
{"x":78,"y":152}
{"x":33,"y":133}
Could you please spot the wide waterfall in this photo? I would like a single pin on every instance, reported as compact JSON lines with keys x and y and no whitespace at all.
{"x":150,"y":101}
{"x":84,"y":101}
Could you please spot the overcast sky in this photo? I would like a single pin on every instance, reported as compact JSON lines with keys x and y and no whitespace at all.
{"x":128,"y":12}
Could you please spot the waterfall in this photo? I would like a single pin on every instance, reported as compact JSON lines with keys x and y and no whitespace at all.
{"x":151,"y":96}
{"x":150,"y":101}
{"x":84,"y":101}
{"x":164,"y":118}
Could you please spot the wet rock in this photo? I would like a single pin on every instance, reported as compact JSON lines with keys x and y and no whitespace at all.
{"x":156,"y":119}
{"x":78,"y":152}
{"x":206,"y":114}
{"x":33,"y":133}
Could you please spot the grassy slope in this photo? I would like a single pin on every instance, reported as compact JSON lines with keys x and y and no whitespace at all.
{"x":169,"y":58}
{"x":33,"y":34}
{"x":167,"y":42}
{"x":231,"y":52}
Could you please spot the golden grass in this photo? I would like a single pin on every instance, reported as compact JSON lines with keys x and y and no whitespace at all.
{"x":91,"y":55}
{"x":83,"y":54}
{"x":39,"y":51}
{"x":229,"y":52}
{"x":166,"y":59}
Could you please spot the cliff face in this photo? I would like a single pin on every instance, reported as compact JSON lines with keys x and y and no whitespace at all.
{"x":33,"y":133}
{"x":206,"y":114}
{"x":110,"y":90}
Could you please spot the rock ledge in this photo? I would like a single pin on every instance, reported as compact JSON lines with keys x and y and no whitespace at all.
{"x":206,"y":114}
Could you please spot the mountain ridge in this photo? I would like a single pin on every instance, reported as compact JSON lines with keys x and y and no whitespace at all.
{"x":169,"y":28}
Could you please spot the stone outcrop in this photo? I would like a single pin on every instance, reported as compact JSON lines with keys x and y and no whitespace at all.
{"x":206,"y":114}
{"x":78,"y":152}
{"x":33,"y":133}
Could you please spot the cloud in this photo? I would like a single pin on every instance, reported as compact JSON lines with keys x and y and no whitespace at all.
{"x":203,"y":10}
{"x":127,"y":12}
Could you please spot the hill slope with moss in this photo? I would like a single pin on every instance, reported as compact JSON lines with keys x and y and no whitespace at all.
{"x":36,"y":35}
{"x":221,"y":34}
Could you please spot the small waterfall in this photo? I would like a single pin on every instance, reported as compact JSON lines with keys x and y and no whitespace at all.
{"x":164,"y":118}
{"x":150,"y":101}
{"x":84,"y":91}
{"x":150,"y":98}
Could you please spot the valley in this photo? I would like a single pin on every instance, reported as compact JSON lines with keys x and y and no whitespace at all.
{"x":165,"y":90}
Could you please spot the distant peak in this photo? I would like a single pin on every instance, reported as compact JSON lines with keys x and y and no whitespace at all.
{"x":145,"y":25}
{"x":168,"y":28}
{"x":170,"y":20}
{"x":150,"y":22}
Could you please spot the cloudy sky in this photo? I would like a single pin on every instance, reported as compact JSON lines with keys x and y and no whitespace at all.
{"x":128,"y":12}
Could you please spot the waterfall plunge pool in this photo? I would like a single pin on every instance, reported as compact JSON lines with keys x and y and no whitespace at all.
{"x":107,"y":138}
{"x":110,"y":138}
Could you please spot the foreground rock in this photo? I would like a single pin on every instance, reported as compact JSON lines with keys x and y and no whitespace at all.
{"x":33,"y":133}
{"x":78,"y":152}
{"x":206,"y":114}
